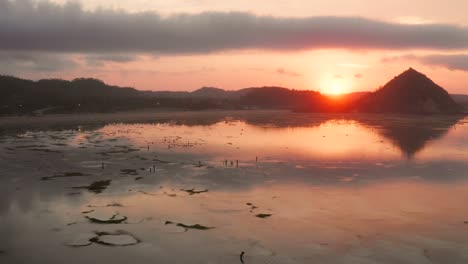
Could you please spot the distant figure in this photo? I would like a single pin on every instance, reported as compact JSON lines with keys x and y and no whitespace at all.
{"x":242,"y":256}
{"x":232,"y":163}
{"x":237,"y":163}
{"x":256,"y":159}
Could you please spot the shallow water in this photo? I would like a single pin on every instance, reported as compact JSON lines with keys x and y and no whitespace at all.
{"x":280,"y":187}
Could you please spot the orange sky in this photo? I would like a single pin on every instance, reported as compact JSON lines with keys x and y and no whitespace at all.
{"x":326,"y":69}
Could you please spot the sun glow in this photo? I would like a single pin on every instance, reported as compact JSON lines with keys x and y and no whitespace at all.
{"x":335,"y":86}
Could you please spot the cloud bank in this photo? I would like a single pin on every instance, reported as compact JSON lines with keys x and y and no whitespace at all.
{"x":449,"y":61}
{"x":101,"y":59}
{"x":13,"y":62}
{"x":43,"y":26}
{"x":452,"y":62}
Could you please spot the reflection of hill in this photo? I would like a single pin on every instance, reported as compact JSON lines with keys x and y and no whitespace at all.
{"x":411,"y":134}
{"x":408,"y":133}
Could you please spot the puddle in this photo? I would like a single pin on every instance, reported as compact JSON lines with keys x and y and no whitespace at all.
{"x":114,"y":219}
{"x":170,"y":194}
{"x":82,"y":240}
{"x":118,"y":238}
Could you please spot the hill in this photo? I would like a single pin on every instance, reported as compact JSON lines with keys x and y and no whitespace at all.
{"x":204,"y":92}
{"x":19,"y":96}
{"x":212,"y":92}
{"x":409,"y":93}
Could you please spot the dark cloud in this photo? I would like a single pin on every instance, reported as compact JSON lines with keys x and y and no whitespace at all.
{"x":358,"y":75}
{"x":68,"y":28}
{"x":100,"y":59}
{"x":449,"y":61}
{"x":18,"y":62}
{"x":452,"y":62}
{"x":282,"y":71}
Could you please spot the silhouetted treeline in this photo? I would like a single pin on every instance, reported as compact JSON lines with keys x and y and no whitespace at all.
{"x":19,"y":96}
{"x":409,"y":93}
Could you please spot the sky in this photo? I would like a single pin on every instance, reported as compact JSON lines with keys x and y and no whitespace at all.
{"x":333,"y":46}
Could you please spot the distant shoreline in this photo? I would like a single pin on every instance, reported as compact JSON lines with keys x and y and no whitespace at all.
{"x":147,"y":115}
{"x":201,"y":116}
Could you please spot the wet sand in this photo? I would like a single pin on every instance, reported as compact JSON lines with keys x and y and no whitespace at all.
{"x":202,"y":187}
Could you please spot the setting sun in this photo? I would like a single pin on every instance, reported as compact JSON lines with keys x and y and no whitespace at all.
{"x":335,"y":86}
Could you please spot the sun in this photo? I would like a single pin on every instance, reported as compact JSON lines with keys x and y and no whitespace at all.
{"x":336,"y":87}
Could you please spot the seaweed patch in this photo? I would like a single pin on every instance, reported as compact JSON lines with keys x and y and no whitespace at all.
{"x":114,"y":219}
{"x":263,"y":215}
{"x":187,"y":227}
{"x":64,"y":175}
{"x":193,"y":191}
{"x":95,"y":187}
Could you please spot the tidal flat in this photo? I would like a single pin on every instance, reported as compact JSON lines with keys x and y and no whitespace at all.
{"x":233,"y":187}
